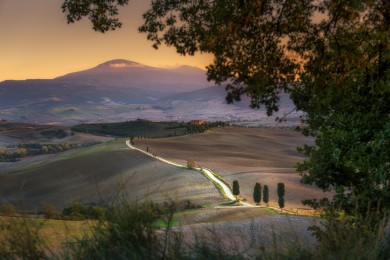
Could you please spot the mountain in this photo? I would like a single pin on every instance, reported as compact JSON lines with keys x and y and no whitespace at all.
{"x":120,"y":90}
{"x":124,"y":73}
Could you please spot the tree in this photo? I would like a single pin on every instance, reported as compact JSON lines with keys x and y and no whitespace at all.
{"x":281,"y":191}
{"x":44,"y":149}
{"x":266,"y":195}
{"x":281,"y":203}
{"x":236,"y":189}
{"x":49,"y":211}
{"x":257,"y":193}
{"x":20,"y":153}
{"x":331,"y":56}
{"x":191,"y":164}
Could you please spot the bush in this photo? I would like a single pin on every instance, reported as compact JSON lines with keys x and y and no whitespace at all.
{"x":191,"y":164}
{"x":49,"y":211}
{"x":127,"y":233}
{"x":78,"y":211}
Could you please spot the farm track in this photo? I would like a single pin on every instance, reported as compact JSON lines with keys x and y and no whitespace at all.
{"x":227,"y":192}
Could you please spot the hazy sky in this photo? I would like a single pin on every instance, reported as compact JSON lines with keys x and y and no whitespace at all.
{"x":36,"y":41}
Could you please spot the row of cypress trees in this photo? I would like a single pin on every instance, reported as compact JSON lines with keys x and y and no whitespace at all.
{"x":258,"y":192}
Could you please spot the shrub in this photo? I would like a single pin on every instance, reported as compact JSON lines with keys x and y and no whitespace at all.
{"x":78,"y":211}
{"x":127,"y":233}
{"x":191,"y":164}
{"x":49,"y":211}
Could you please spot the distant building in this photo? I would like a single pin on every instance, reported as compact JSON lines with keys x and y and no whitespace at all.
{"x":197,"y":122}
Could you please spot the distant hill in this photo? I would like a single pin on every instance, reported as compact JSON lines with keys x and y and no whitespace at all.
{"x":121,"y":90}
{"x":124,"y":73}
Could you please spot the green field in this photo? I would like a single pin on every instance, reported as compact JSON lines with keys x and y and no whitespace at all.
{"x":138,"y":128}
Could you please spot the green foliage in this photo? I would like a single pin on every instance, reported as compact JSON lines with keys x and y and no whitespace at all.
{"x":201,"y":128}
{"x":257,"y":193}
{"x":266,"y":194}
{"x":356,"y":236}
{"x":236,"y":188}
{"x":138,"y":128}
{"x":101,"y":13}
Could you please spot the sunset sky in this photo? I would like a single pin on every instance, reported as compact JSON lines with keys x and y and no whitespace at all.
{"x":36,"y":41}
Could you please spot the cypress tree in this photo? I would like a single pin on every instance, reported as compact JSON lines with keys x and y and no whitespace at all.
{"x":236,"y":189}
{"x":257,"y":193}
{"x":281,"y":190}
{"x":281,"y":203}
{"x":266,"y":194}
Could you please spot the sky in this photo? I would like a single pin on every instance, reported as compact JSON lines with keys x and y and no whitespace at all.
{"x":36,"y":41}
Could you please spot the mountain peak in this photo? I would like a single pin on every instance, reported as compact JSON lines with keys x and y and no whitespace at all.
{"x":120,"y":63}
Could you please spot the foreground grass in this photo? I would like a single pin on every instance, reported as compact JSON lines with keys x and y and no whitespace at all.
{"x":148,"y":231}
{"x":53,"y":232}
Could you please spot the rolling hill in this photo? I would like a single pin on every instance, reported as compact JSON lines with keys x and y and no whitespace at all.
{"x":100,"y":173}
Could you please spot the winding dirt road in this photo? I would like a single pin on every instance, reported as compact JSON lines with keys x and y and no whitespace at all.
{"x":227,"y":191}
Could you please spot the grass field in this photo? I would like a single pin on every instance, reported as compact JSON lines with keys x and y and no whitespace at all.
{"x":248,"y":155}
{"x":54,"y":233}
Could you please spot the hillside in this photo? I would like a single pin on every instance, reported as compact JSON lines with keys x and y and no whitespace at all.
{"x":249,"y":155}
{"x":101,"y":173}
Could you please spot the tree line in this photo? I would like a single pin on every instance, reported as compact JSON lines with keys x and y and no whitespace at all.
{"x":262,"y":193}
{"x":27,"y":149}
{"x":201,"y":128}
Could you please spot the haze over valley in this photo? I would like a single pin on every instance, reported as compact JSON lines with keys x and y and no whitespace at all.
{"x":122,"y":90}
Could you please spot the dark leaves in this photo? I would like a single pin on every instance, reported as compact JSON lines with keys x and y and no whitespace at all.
{"x":102,"y":14}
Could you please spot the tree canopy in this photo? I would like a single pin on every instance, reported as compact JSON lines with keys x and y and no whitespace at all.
{"x":331,"y":56}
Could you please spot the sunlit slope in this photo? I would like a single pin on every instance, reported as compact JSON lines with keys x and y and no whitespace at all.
{"x":101,"y":173}
{"x":248,"y":155}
